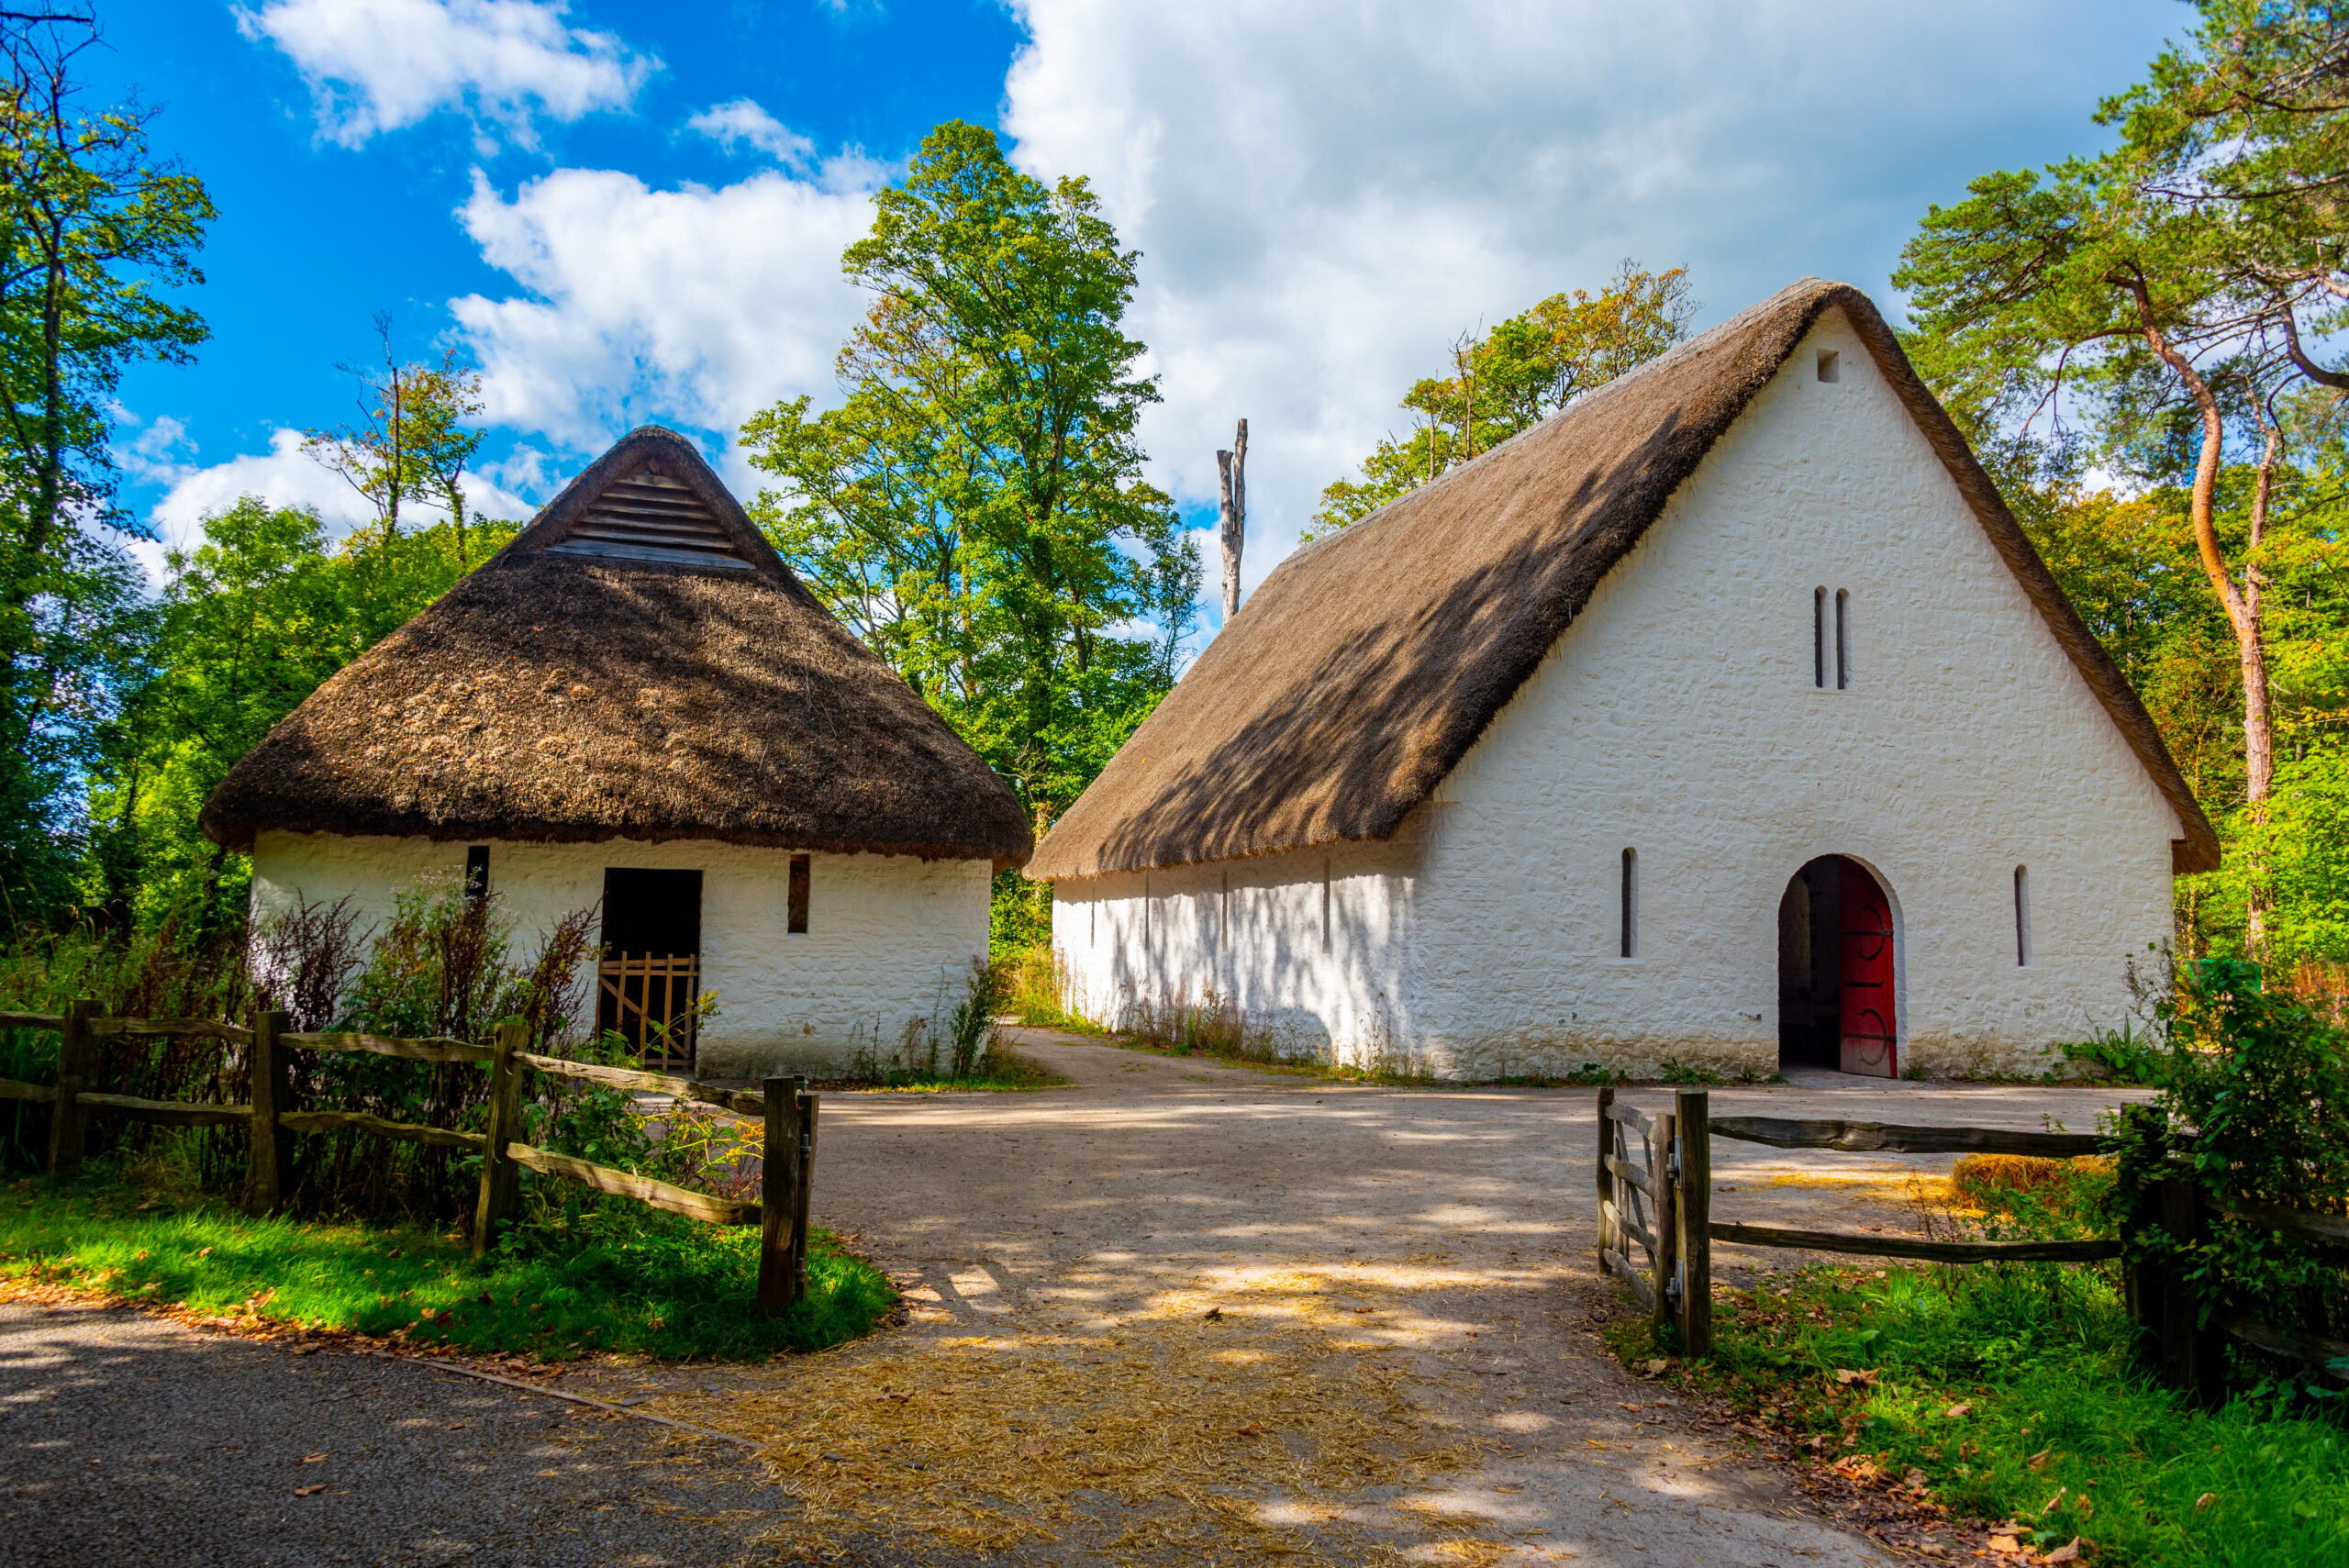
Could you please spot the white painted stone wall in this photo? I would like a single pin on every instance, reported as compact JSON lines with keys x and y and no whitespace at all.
{"x":889,"y":944}
{"x":1679,"y":717}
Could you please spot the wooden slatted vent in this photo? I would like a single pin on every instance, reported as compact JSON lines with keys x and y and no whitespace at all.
{"x":650,"y":516}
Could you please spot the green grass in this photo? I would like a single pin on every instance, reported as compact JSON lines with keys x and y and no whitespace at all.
{"x":1003,"y":1071}
{"x":604,"y":1276}
{"x":2053,"y":1411}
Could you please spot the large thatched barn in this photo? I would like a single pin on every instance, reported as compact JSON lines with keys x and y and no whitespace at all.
{"x":1725,"y":718}
{"x":635,"y":707}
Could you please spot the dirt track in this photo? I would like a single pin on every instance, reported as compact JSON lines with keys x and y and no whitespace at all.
{"x":1462,"y":1220}
{"x":1424,"y":1255}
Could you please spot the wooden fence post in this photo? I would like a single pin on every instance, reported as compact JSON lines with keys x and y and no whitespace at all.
{"x":1692,"y":1207}
{"x":778,"y":1158}
{"x":2145,"y":1137}
{"x":77,"y":1062}
{"x":269,"y":1164}
{"x":2194,"y":1351}
{"x":804,"y":1191}
{"x":1666,"y":1218}
{"x":1606,"y":1177}
{"x":501,"y":1178}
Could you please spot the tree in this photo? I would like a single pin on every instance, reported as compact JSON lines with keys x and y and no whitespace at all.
{"x":93,"y":230}
{"x":252,"y":621}
{"x":1525,"y":370}
{"x":975,"y":508}
{"x":412,"y":442}
{"x":2169,"y":285}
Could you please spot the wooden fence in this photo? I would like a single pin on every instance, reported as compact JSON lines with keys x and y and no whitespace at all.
{"x":787,"y":1109}
{"x":1654,"y":1175}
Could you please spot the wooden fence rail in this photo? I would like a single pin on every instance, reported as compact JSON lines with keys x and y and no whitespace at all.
{"x":786,"y":1110}
{"x":1671,"y":1168}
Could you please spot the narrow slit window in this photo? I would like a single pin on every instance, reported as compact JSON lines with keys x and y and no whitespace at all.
{"x":1093,"y":923}
{"x":1325,"y":905}
{"x":1818,"y":638}
{"x":1842,"y":639}
{"x":1830,"y":365}
{"x":1631,"y":902}
{"x":478,"y":872}
{"x":800,"y":869}
{"x":2022,"y":917}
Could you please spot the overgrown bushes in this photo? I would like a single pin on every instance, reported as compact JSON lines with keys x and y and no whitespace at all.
{"x":443,"y":965}
{"x":2255,"y":1106}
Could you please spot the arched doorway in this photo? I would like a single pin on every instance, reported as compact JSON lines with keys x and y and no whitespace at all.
{"x":1836,"y":971}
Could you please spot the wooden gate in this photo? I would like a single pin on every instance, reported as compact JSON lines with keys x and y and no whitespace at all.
{"x":1635,"y":1204}
{"x":649,"y":999}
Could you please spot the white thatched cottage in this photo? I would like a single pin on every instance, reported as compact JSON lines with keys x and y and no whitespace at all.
{"x":635,"y":707}
{"x":1726,"y":718}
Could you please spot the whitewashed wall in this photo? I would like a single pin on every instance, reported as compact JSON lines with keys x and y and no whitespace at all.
{"x":1679,"y":717}
{"x":889,"y":940}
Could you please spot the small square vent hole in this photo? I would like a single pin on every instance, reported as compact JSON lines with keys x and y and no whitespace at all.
{"x":1830,"y":369}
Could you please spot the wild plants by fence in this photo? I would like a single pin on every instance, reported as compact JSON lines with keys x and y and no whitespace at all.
{"x":272,"y":1118}
{"x":1654,"y":1181}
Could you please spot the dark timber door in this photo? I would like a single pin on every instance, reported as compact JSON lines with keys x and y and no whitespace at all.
{"x":1871,"y":1041}
{"x":650,"y":971}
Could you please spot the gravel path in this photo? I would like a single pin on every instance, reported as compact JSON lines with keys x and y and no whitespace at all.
{"x":1457,"y":1221}
{"x":125,"y":1440}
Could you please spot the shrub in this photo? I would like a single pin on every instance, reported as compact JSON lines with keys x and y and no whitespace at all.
{"x":2255,"y":1090}
{"x":1211,"y":1026}
{"x":970,"y":1028}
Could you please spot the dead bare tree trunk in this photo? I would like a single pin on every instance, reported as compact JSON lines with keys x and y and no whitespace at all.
{"x":1232,"y":528}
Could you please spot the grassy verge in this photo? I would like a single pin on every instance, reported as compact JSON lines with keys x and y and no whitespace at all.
{"x":2009,"y":1391}
{"x":1003,"y":1071}
{"x":574,"y":1279}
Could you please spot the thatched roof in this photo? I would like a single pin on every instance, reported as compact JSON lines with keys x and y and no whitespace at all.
{"x":637,"y":664}
{"x":1369,"y":661}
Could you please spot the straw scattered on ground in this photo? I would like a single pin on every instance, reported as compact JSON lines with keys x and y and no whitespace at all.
{"x":1281,"y":1427}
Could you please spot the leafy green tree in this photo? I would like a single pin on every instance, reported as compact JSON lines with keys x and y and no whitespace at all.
{"x":2167,"y":290}
{"x":1511,"y":379}
{"x":252,"y":621}
{"x":975,"y":508}
{"x":94,"y":230}
{"x":413,"y":439}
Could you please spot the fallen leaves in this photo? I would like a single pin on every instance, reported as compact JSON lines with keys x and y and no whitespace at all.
{"x":1846,"y":1377}
{"x":2206,"y":1500}
{"x":1958,"y":1412}
{"x":309,"y":1491}
{"x":314,"y":1459}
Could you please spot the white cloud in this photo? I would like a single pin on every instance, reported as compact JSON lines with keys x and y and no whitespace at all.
{"x":695,"y":306}
{"x":742,"y":120}
{"x":1326,"y":194}
{"x":284,"y":476}
{"x":377,"y":65}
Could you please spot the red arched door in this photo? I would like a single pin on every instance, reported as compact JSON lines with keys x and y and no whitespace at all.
{"x":1871,"y":1038}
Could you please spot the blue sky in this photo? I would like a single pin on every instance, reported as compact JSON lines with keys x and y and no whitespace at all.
{"x":627,"y":212}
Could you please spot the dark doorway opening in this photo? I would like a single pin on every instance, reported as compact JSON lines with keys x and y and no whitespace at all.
{"x":650,"y":971}
{"x":1836,"y":971}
